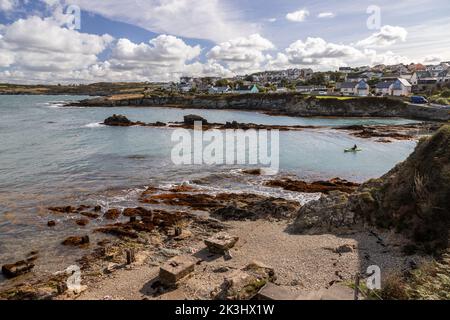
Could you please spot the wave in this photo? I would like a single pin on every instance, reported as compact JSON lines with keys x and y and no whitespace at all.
{"x":94,"y":125}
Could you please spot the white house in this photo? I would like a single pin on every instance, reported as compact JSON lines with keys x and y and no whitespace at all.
{"x":219,"y":90}
{"x":401,"y":87}
{"x":348,"y":88}
{"x":384,"y":88}
{"x":419,"y":75}
{"x":361,"y":88}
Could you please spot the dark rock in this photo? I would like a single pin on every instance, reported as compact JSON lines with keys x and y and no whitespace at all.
{"x":16,"y":269}
{"x":254,"y":172}
{"x":346,"y":248}
{"x":192,"y":118}
{"x":51,"y":223}
{"x":97,"y":208}
{"x":82,"y":222}
{"x":136,"y":212}
{"x":335,"y":184}
{"x":112,"y":214}
{"x":90,"y":215}
{"x":76,"y":241}
{"x":66,"y":209}
{"x":118,"y":120}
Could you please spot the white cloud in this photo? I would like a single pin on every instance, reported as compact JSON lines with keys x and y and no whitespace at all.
{"x":42,"y":45}
{"x":298,"y":16}
{"x":315,"y":50}
{"x":213,"y":19}
{"x":326,"y":15}
{"x":8,"y":5}
{"x":163,"y":49}
{"x":388,"y":35}
{"x":243,"y":54}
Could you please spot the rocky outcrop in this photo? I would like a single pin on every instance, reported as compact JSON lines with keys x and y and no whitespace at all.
{"x":118,"y":120}
{"x":229,"y":206}
{"x":412,"y":199}
{"x":17,"y":269}
{"x":335,"y":184}
{"x":122,"y":121}
{"x":292,"y":104}
{"x":191,"y":119}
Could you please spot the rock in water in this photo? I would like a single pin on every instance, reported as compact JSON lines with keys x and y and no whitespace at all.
{"x":117,"y":120}
{"x":192,"y":118}
{"x":76,"y":241}
{"x":16,"y":269}
{"x":112,"y":214}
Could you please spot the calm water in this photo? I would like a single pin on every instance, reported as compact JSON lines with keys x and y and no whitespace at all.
{"x":51,"y":155}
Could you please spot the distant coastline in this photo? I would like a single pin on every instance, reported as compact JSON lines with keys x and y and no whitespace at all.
{"x":287,"y":104}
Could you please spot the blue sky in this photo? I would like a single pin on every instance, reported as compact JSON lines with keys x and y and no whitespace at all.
{"x":160,"y":40}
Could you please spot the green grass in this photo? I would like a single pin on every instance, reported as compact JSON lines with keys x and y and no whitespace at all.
{"x":335,"y":97}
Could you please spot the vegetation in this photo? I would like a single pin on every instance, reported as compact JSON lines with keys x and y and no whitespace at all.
{"x":442,"y":97}
{"x":431,"y":281}
{"x":335,"y":97}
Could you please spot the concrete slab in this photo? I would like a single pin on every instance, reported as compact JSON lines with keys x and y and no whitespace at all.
{"x":274,"y":292}
{"x":176,"y":268}
{"x":221,"y":243}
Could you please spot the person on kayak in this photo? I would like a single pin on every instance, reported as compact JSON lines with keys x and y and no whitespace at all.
{"x":355,"y":147}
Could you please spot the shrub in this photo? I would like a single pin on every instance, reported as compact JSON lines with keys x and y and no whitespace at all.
{"x":445,"y":93}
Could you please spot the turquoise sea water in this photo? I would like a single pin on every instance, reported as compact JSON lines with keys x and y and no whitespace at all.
{"x":52,"y":155}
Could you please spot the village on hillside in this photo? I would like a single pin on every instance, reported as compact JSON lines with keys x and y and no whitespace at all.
{"x":381,"y":80}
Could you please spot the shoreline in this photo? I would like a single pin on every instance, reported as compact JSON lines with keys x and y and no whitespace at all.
{"x":104,"y":268}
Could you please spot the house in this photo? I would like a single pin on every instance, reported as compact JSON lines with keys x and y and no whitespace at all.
{"x":401,"y":88}
{"x":345,"y":70}
{"x":384,"y":88}
{"x":219,"y":90}
{"x":361,"y":88}
{"x":348,"y":88}
{"x":185,"y":87}
{"x":417,"y":75}
{"x":309,"y":89}
{"x":247,"y":89}
{"x":444,"y":76}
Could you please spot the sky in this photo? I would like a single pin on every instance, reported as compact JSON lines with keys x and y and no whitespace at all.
{"x":83,"y":41}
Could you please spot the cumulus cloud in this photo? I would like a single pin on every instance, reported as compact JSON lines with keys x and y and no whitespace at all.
{"x":27,"y":41}
{"x":242,"y":54}
{"x":162,"y":50}
{"x":297,"y":16}
{"x":315,"y":50}
{"x":212,"y":20}
{"x":388,"y":35}
{"x":323,"y":15}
